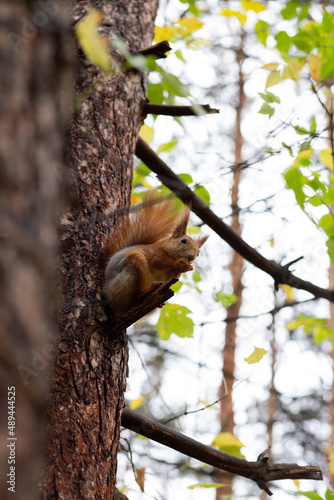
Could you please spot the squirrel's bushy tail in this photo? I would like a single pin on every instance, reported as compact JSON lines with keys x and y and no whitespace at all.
{"x":158,"y":218}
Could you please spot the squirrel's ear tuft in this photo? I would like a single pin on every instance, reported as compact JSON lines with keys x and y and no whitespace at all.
{"x":181,"y":228}
{"x":201,"y":240}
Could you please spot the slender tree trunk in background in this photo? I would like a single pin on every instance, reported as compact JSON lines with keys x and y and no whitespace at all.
{"x":236,"y":267}
{"x":329,"y":107}
{"x":273,"y":397}
{"x":36,"y":77}
{"x":90,"y":370}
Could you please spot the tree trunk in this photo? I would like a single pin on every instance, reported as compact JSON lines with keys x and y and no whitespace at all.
{"x":90,"y":370}
{"x":36,"y":73}
{"x":226,"y":415}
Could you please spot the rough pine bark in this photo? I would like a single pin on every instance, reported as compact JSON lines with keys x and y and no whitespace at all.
{"x":36,"y":73}
{"x":90,"y":370}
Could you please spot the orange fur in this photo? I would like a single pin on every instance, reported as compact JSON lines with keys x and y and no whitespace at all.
{"x":149,"y":247}
{"x":157,"y":219}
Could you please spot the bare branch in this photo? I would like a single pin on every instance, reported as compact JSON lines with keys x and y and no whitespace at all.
{"x":163,"y":109}
{"x":158,"y":50}
{"x":279,"y":273}
{"x":260,"y":471}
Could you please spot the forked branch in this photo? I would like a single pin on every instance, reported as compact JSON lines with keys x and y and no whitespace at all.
{"x":260,"y":471}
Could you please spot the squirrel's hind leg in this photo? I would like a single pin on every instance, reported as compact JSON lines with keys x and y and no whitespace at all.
{"x":136,"y":261}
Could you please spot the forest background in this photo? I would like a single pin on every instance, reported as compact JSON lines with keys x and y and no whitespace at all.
{"x":263,"y":164}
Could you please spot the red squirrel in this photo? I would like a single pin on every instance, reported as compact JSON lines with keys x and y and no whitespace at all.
{"x":148,"y":248}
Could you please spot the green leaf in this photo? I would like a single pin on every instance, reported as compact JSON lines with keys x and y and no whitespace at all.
{"x":179,"y":55}
{"x":226,"y":442}
{"x":313,"y":126}
{"x":203,"y":194}
{"x":262,"y":31}
{"x":290,"y":10}
{"x":318,"y":327}
{"x":304,"y":11}
{"x":327,"y":224}
{"x":173,"y":319}
{"x":269,"y":97}
{"x":140,"y":173}
{"x":295,"y":180}
{"x":312,"y":495}
{"x":186,"y":178}
{"x":330,"y":248}
{"x":226,"y":299}
{"x":155,"y":93}
{"x":329,"y":495}
{"x":327,"y":62}
{"x":305,"y":145}
{"x":283,"y":41}
{"x":196,"y":277}
{"x":266,"y":110}
{"x":176,"y":287}
{"x":172,"y":84}
{"x":206,"y":485}
{"x":167,"y":147}
{"x":304,"y":41}
{"x":327,"y":22}
{"x":191,"y":229}
{"x":315,"y":201}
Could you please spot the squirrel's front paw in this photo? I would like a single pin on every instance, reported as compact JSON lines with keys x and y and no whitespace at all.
{"x":184,"y":265}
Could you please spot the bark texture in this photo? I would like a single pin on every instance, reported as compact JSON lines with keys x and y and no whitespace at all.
{"x":36,"y":73}
{"x":90,"y":369}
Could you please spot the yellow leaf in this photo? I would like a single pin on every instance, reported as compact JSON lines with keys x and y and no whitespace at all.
{"x":315,"y":65}
{"x":164,"y":33}
{"x":92,"y":43}
{"x":226,"y":439}
{"x":270,"y":66}
{"x":135,"y":198}
{"x":189,"y":25}
{"x":274,"y":77}
{"x":206,"y":404}
{"x":331,"y":463}
{"x":136,"y":403}
{"x":326,"y":157}
{"x":140,"y":477}
{"x":229,"y":13}
{"x":289,"y":292}
{"x":303,"y":155}
{"x":292,"y":325}
{"x":292,"y":69}
{"x":200,"y":42}
{"x":253,"y":5}
{"x":310,"y":25}
{"x":256,"y":355}
{"x":146,"y":184}
{"x":146,"y":133}
{"x":297,"y":482}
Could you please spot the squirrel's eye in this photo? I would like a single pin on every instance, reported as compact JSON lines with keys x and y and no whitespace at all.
{"x":184,"y":240}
